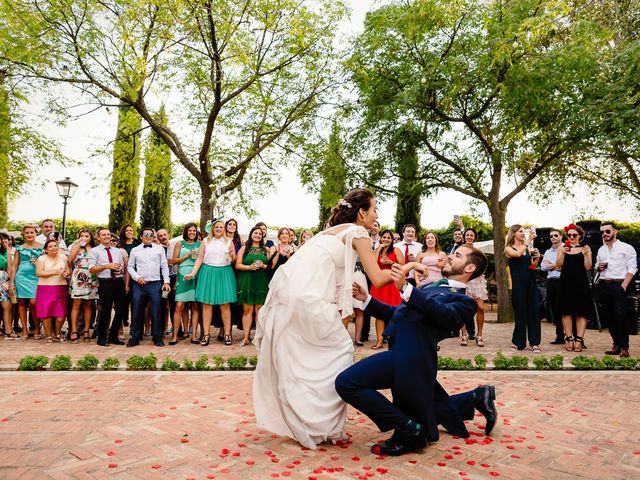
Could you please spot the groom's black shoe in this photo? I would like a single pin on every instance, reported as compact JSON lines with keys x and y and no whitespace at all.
{"x":407,"y":438}
{"x":484,"y":403}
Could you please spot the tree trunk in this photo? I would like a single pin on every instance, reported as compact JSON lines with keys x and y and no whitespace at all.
{"x":206,"y":209}
{"x":408,"y":199}
{"x":5,"y":150}
{"x":498,"y":218}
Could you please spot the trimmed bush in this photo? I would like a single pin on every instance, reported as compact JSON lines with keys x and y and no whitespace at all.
{"x":237,"y":363}
{"x":187,"y":365}
{"x":448,"y":363}
{"x":61,"y":362}
{"x":582,"y":362}
{"x":253,"y":361}
{"x":110,"y":363}
{"x":202,"y":363}
{"x":31,"y":363}
{"x":88,"y":362}
{"x":170,"y":365}
{"x":480,"y":361}
{"x":218,"y":362}
{"x":516,"y":362}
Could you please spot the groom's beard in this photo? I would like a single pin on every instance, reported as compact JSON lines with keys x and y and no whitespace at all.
{"x":452,"y":271}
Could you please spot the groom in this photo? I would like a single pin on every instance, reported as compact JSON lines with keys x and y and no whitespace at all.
{"x":426,"y":316}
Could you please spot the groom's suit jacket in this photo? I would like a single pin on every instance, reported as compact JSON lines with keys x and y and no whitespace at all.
{"x":415,"y":327}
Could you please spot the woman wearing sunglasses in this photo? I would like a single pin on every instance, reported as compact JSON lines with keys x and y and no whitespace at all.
{"x":575,"y":294}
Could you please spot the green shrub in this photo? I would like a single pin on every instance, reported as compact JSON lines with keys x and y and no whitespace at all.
{"x":31,"y":363}
{"x":88,"y":362}
{"x":110,"y":363}
{"x":202,"y":363}
{"x":61,"y":362}
{"x":629,"y":363}
{"x":448,"y":363}
{"x":480,"y":361}
{"x":582,"y":362}
{"x":237,"y":363}
{"x":609,"y":362}
{"x":135,"y":362}
{"x":516,"y":362}
{"x":556,"y":362}
{"x":187,"y":365}
{"x":169,"y":365}
{"x":253,"y":361}
{"x":150,"y":362}
{"x":218,"y":362}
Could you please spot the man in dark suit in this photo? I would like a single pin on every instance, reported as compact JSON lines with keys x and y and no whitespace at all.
{"x":426,"y":316}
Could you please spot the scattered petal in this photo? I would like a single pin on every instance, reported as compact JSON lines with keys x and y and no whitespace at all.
{"x":441,"y":464}
{"x":156,"y":466}
{"x":113,"y":465}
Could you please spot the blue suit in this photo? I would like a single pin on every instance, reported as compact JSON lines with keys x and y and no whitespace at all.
{"x":410,"y":367}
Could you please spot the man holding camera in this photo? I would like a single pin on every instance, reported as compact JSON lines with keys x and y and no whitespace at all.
{"x":616,"y":262}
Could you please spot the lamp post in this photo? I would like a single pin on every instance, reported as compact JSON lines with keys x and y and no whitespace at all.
{"x":66,"y":189}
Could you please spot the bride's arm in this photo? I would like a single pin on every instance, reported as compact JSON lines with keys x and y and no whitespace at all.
{"x":378,"y":277}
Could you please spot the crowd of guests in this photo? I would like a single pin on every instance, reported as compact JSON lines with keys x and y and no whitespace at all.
{"x":176,"y":290}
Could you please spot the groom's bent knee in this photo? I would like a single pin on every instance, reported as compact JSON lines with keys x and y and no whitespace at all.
{"x":345,"y":385}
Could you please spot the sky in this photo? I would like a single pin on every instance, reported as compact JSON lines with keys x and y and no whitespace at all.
{"x":80,"y":139}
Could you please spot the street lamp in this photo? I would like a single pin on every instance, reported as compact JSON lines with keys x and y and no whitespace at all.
{"x":66,"y":189}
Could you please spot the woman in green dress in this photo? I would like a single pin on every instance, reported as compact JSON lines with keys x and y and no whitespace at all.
{"x":24,"y":280}
{"x":184,"y":255}
{"x":253,"y":282}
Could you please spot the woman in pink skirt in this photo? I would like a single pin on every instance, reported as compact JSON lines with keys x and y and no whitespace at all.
{"x":52,"y":271}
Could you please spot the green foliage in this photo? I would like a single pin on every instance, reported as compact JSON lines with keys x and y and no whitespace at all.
{"x":237,"y":363}
{"x":403,"y":148}
{"x":582,"y":362}
{"x":480,"y":361}
{"x":556,"y":362}
{"x":155,"y":210}
{"x":448,"y":363}
{"x":253,"y":361}
{"x":138,"y":362}
{"x":73,"y":226}
{"x":61,"y":362}
{"x":126,"y":169}
{"x":516,"y":362}
{"x":169,"y":365}
{"x":110,"y":363}
{"x":187,"y":365}
{"x":31,"y":362}
{"x":218,"y":362}
{"x":202,"y":363}
{"x":88,"y":362}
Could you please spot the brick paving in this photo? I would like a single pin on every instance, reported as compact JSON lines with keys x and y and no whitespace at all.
{"x":124,"y":425}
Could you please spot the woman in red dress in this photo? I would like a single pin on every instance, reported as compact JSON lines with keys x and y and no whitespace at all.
{"x":386,"y":255}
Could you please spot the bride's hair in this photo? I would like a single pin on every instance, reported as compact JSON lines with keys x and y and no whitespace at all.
{"x":346,"y":211}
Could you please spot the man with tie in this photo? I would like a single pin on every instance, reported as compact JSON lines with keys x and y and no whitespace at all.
{"x":426,"y":316}
{"x":410,"y":248}
{"x":109,"y":265}
{"x":149,"y":272}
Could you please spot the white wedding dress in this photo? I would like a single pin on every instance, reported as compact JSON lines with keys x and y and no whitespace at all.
{"x":302,"y":343}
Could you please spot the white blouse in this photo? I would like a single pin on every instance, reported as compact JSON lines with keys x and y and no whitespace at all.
{"x":216,"y":253}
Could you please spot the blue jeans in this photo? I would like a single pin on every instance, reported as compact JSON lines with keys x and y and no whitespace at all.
{"x":150,"y":292}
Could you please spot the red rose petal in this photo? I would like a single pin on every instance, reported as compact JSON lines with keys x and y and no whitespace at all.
{"x":118,"y":441}
{"x":296,"y":462}
{"x":441,"y":464}
{"x":242,"y":445}
{"x":485,"y":465}
{"x":275,"y":475}
{"x":211,"y":475}
{"x":355,"y":459}
{"x":226,"y":451}
{"x":184,"y":440}
{"x":515,"y":456}
{"x":286,"y":473}
{"x":113,"y":465}
{"x":235,"y":454}
{"x":250,"y":462}
{"x":494,"y":474}
{"x":111,"y":453}
{"x":463,"y":474}
{"x":415,"y":461}
{"x":156,"y":466}
{"x":172,"y":408}
{"x":471,"y":462}
{"x":511,"y":447}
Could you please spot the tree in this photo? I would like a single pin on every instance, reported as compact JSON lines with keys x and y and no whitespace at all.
{"x":125,"y":175}
{"x":5,"y":150}
{"x":403,"y":148}
{"x":240,"y":77}
{"x":156,"y":194}
{"x":494,"y":87}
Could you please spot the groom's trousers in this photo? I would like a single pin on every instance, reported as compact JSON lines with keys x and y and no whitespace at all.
{"x":359,"y":386}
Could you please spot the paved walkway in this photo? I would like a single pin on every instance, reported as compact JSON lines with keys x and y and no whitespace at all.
{"x":130,"y":425}
{"x":497,"y":337}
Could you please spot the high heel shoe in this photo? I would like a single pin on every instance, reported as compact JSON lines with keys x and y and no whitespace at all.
{"x":569,"y":344}
{"x":86,"y":337}
{"x":578,"y":344}
{"x":227,"y":340}
{"x":479,"y":342}
{"x":205,"y":340}
{"x":464,"y":340}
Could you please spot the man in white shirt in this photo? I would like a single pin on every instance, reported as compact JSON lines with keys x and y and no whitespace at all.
{"x":374,"y":233}
{"x":149,"y":273}
{"x":617,"y":264}
{"x":47,"y":227}
{"x":409,"y":248}
{"x":553,"y":283}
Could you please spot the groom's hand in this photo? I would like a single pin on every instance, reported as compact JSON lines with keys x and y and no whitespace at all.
{"x":398,"y":275}
{"x":358,"y":292}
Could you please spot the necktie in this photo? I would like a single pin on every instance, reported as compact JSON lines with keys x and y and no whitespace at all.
{"x":406,"y":252}
{"x":442,"y":281}
{"x":113,"y":273}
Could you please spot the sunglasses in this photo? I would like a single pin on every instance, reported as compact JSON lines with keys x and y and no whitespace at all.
{"x":554,"y":235}
{"x":572,"y":235}
{"x":603,"y":232}
{"x":148,"y":234}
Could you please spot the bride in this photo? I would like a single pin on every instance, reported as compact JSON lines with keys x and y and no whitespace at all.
{"x":302,"y":342}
